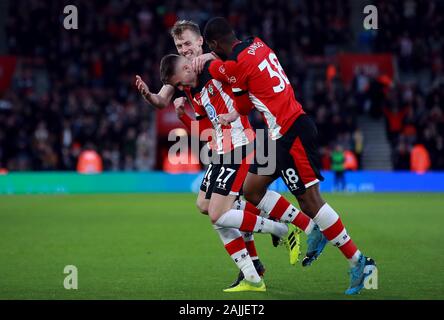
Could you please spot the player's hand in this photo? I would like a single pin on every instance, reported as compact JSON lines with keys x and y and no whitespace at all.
{"x":227,"y":118}
{"x":143,"y":88}
{"x":179,"y":106}
{"x":198,"y":63}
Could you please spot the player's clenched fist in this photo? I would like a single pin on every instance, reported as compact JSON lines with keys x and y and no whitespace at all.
{"x":179,"y":106}
{"x":227,"y":118}
{"x":198,"y":63}
{"x":142,"y":87}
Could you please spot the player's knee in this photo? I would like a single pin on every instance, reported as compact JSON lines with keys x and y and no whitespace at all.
{"x":311,"y":202}
{"x":305,"y":207}
{"x":202,"y":205}
{"x":213,"y":218}
{"x":215,"y":212}
{"x":214,"y":215}
{"x":253,"y":195}
{"x":316,"y":203}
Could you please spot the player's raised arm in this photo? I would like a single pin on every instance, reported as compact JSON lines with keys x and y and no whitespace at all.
{"x":159,"y":100}
{"x":229,"y":72}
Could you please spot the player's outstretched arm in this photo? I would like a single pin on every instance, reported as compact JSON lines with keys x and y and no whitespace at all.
{"x":159,"y":100}
{"x":236,"y":75}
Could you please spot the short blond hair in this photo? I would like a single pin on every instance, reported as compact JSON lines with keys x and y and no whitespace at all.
{"x":181,"y":25}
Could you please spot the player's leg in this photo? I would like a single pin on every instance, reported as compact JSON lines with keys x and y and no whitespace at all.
{"x":233,"y":243}
{"x":248,"y":238}
{"x":272,"y":204}
{"x":302,"y":177}
{"x":203,"y":198}
{"x":218,"y":205}
{"x":232,"y":238}
{"x":235,"y":246}
{"x":221,"y":213}
{"x":240,"y":204}
{"x":211,"y":177}
{"x":333,"y":229}
{"x":202,"y":203}
{"x":255,"y":187}
{"x":252,"y":251}
{"x":228,"y":185}
{"x":249,"y":242}
{"x":303,"y":181}
{"x":276,"y":207}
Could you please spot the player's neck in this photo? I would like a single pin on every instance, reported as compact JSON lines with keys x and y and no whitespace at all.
{"x":235,"y":43}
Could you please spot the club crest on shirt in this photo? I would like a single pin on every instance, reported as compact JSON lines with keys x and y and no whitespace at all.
{"x":211,"y":90}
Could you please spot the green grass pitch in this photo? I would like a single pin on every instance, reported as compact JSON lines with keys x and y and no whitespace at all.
{"x":157,"y":246}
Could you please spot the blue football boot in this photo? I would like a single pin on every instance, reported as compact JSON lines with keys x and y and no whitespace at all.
{"x":359,"y":273}
{"x":316,"y":242}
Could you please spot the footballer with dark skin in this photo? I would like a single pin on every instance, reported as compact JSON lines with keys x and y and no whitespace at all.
{"x":254,"y":73}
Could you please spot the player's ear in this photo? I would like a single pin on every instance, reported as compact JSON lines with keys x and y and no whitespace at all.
{"x":212,"y":44}
{"x":187,"y":67}
{"x":200,"y":41}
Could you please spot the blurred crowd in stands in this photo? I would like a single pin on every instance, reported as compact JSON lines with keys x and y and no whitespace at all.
{"x":73,"y":89}
{"x":414,"y":105}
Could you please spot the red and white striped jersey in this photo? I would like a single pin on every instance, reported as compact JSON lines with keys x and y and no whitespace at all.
{"x":254,"y":73}
{"x":203,"y":124}
{"x":212,"y":98}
